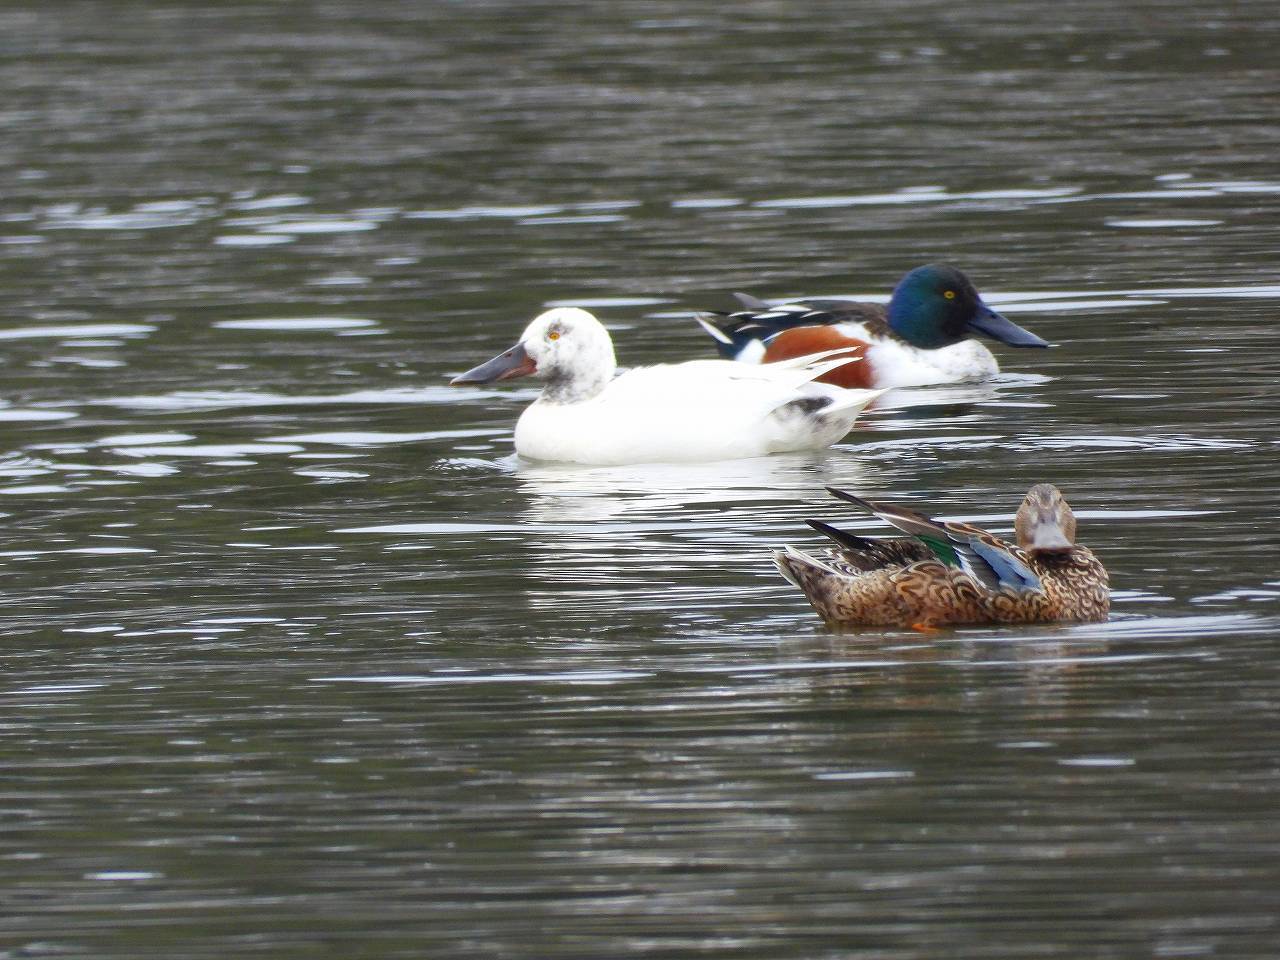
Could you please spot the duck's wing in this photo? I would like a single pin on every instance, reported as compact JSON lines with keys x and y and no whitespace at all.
{"x":874,"y":554}
{"x":767,"y":407}
{"x":735,"y":333}
{"x":987,"y":559}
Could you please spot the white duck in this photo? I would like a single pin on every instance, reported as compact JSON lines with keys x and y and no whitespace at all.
{"x":696,"y":411}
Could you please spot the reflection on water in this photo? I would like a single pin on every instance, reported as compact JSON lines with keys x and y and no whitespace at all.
{"x":299,"y":657}
{"x":660,"y":537}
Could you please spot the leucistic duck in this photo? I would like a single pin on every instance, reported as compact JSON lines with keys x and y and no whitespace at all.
{"x":924,"y":336}
{"x":952,"y":573}
{"x":696,"y":411}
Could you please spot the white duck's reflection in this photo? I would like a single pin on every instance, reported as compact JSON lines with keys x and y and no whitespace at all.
{"x":680,"y":537}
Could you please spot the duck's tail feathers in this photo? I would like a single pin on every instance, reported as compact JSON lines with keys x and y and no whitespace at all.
{"x":819,"y":418}
{"x":796,"y":566}
{"x":742,"y":335}
{"x":851,"y":399}
{"x":706,"y":321}
{"x":843,"y":406}
{"x":786,"y":565}
{"x":733,"y":339}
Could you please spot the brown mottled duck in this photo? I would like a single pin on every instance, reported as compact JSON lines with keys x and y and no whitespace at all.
{"x":953,"y":573}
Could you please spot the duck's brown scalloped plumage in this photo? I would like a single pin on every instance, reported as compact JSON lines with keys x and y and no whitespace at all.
{"x":886,"y":584}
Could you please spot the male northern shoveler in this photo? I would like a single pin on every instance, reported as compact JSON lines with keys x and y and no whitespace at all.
{"x":696,"y":411}
{"x":923,"y":337}
{"x":949,"y":573}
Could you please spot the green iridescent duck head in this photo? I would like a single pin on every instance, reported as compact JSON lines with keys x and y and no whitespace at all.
{"x":937,"y":305}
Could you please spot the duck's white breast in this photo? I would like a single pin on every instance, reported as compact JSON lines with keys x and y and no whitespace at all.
{"x":899,"y":364}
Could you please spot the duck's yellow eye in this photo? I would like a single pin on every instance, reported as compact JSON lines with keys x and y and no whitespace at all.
{"x":949,"y":294}
{"x":553,"y":335}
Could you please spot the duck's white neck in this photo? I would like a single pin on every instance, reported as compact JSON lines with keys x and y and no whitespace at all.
{"x":576,"y":387}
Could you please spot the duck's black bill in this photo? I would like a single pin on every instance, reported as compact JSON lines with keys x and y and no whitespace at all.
{"x":999,"y":327}
{"x":505,"y":366}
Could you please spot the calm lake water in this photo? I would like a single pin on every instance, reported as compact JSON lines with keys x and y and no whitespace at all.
{"x":299,"y":660}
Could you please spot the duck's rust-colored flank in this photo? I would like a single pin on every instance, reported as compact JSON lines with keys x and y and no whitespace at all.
{"x":803,"y":341}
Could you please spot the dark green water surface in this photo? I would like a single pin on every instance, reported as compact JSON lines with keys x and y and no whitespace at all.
{"x":299,"y":660}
